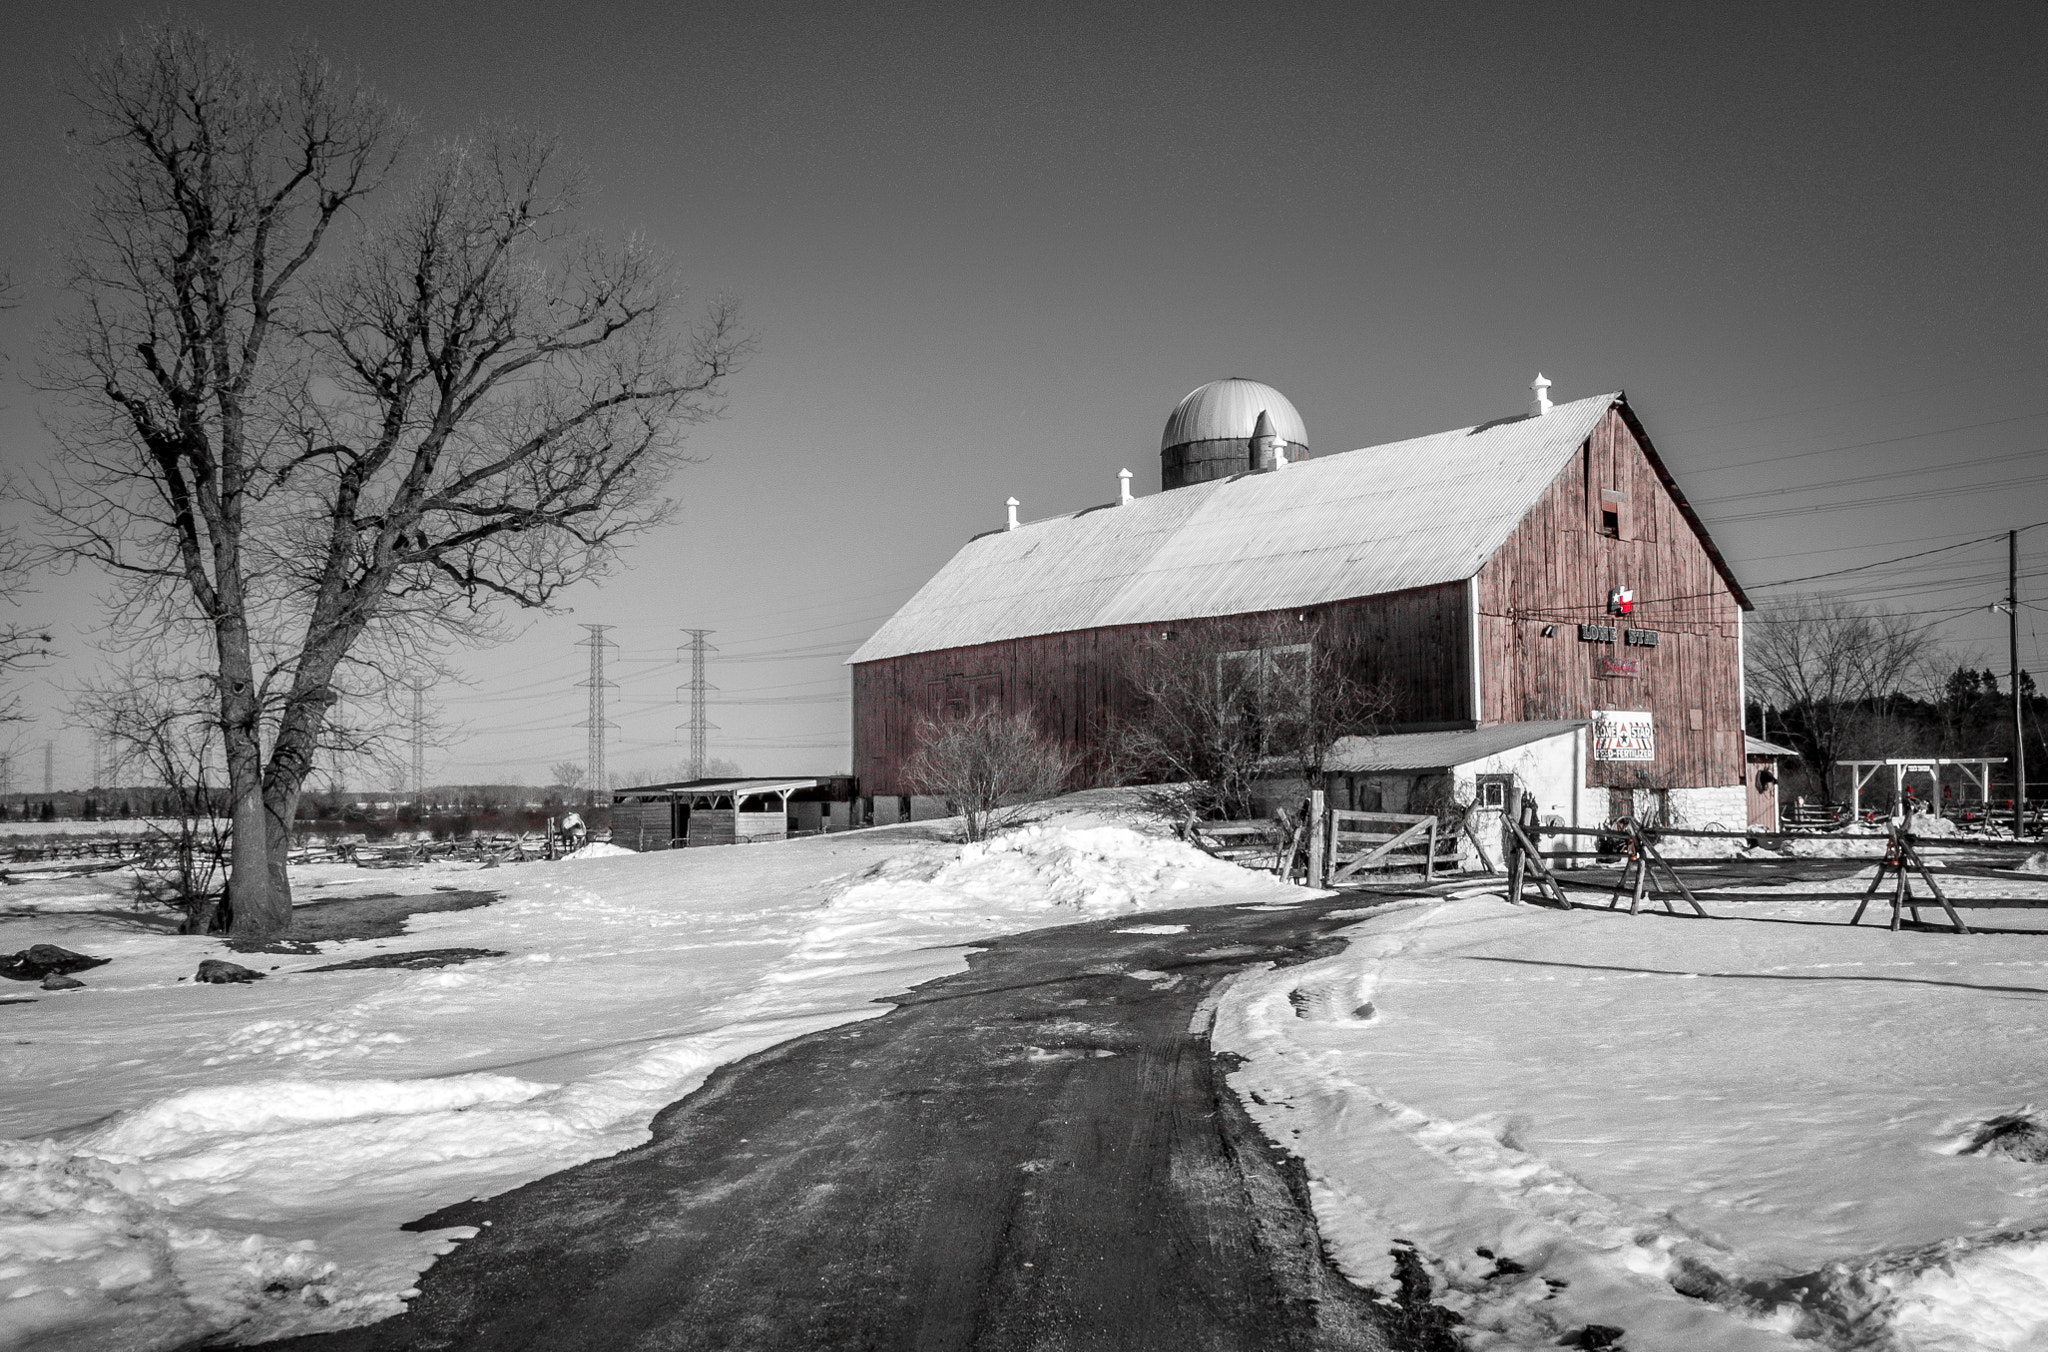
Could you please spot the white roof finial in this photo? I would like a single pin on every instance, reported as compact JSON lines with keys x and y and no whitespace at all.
{"x":1012,"y":505}
{"x":1123,"y":487}
{"x":1539,"y":402}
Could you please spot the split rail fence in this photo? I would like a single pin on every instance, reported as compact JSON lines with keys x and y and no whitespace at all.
{"x":1333,"y":847}
{"x":1529,"y":867}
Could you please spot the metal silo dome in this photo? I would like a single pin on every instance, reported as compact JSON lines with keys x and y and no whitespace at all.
{"x":1210,"y":433}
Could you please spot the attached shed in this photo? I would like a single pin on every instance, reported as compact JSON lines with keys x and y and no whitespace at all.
{"x":1762,"y":759}
{"x":729,"y":811}
{"x":1428,"y":772}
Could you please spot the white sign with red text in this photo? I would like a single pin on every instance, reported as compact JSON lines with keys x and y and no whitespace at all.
{"x":1623,"y":735}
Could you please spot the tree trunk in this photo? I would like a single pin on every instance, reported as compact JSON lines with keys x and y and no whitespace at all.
{"x":255,"y":909}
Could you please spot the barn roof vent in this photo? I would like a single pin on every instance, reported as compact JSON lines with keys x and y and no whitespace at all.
{"x":1123,"y":487}
{"x":1539,"y":400}
{"x":1011,"y":503}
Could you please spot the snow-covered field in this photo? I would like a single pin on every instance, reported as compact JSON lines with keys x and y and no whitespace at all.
{"x":196,"y":1160}
{"x":1745,"y":1132}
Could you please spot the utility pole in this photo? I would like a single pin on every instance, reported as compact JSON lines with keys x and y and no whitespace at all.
{"x":596,"y":777}
{"x":419,"y":741}
{"x":697,"y":688}
{"x":2019,"y":729}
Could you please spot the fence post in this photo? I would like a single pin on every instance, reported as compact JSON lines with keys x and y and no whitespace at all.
{"x":1317,"y":857}
{"x":1510,"y":844}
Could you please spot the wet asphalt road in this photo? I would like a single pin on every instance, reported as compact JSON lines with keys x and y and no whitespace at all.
{"x":1039,"y":1152}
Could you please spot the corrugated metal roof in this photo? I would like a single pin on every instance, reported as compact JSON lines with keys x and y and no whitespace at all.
{"x":1757,"y":746}
{"x":1231,"y":408}
{"x":1408,"y":514}
{"x":1439,"y":750}
{"x":742,"y":787}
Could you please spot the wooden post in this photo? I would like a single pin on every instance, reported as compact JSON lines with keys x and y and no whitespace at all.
{"x":1429,"y":860}
{"x":1511,"y":842}
{"x":1913,"y":856}
{"x":1318,"y":829}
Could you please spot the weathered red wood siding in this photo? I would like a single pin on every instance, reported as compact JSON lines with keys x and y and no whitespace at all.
{"x":1416,"y":639}
{"x":1557,"y":568}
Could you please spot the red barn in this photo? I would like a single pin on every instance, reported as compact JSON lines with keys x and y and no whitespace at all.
{"x":1526,"y":570}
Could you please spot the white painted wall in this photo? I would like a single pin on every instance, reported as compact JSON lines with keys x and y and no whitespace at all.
{"x":1550,"y":771}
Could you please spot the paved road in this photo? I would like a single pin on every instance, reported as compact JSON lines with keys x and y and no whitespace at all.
{"x":1037,"y":1153}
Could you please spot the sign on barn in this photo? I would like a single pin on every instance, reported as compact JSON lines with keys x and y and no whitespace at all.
{"x":1623,"y":735}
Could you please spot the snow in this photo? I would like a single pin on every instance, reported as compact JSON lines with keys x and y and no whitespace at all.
{"x":1739,"y":1133}
{"x":192,"y":1161}
{"x":600,"y":849}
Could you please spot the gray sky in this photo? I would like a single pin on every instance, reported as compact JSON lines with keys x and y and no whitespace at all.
{"x":987,"y":255}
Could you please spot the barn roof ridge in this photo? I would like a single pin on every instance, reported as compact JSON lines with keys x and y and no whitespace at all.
{"x":1364,"y":522}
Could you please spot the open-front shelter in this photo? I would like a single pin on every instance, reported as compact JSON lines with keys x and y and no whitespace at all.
{"x":729,"y":811}
{"x":1974,"y":770}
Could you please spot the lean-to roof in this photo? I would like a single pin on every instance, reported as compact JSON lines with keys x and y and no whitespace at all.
{"x":1440,"y":750}
{"x":1408,"y":514}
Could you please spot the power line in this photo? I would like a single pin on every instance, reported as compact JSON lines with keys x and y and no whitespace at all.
{"x":1866,"y":445}
{"x":1920,"y":496}
{"x":1864,"y":567}
{"x":1945,"y":467}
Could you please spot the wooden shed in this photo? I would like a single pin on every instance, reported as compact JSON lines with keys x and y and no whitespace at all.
{"x":729,"y":811}
{"x":1533,"y":568}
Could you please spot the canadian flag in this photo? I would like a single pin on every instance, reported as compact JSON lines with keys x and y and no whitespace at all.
{"x":1621,"y":600}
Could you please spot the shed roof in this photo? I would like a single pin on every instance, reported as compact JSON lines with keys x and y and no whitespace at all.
{"x":1408,"y":514}
{"x":1440,"y":750}
{"x":742,"y":787}
{"x":1757,"y":746}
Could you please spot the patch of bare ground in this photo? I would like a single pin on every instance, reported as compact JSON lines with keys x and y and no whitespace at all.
{"x":382,"y":916}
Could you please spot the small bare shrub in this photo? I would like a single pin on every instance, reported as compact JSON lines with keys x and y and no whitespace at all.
{"x":987,"y":765}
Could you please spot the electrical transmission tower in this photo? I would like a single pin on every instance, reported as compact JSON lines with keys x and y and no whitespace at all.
{"x":696,"y":689}
{"x":49,"y":752}
{"x":6,"y":773}
{"x":419,"y":740}
{"x":595,"y":772}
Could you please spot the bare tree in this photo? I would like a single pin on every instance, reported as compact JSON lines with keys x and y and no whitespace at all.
{"x":21,"y":645}
{"x":159,"y":727}
{"x":988,"y":765}
{"x":325,"y":417}
{"x":1835,"y":671}
{"x":1221,"y":706}
{"x":567,"y":774}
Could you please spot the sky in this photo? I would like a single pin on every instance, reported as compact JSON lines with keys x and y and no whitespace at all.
{"x":986,"y":254}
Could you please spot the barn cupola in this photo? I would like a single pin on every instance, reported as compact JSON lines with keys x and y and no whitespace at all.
{"x":1229,"y":427}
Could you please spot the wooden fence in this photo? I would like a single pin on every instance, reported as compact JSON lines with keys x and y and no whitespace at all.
{"x":1528,"y":867}
{"x":1324,"y":847}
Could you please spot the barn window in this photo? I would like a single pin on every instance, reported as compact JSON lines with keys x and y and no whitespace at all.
{"x":1613,"y":513}
{"x":1262,"y":683}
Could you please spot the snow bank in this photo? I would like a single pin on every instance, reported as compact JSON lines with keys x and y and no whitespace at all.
{"x":234,"y":1163}
{"x":1718,"y":1135}
{"x":2037,"y":862}
{"x":599,"y":849}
